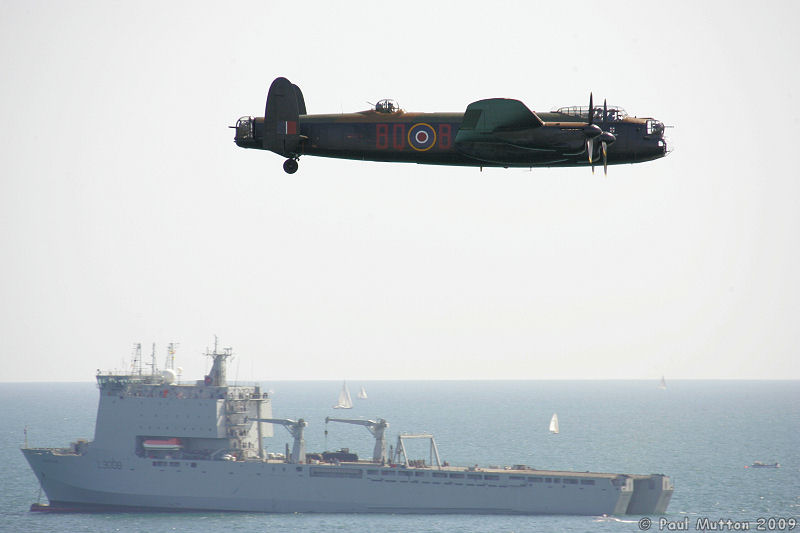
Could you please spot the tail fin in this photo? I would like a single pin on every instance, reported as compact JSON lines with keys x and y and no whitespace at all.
{"x":301,"y":102}
{"x":281,"y":129}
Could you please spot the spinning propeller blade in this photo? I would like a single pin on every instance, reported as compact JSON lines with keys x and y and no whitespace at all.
{"x":593,"y":131}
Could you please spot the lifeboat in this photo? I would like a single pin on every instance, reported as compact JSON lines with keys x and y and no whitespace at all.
{"x":162,"y":444}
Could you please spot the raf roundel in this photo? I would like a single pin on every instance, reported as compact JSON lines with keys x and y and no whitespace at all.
{"x":421,"y":137}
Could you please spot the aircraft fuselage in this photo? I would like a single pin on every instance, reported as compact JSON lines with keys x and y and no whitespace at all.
{"x":495,"y":132}
{"x":430,"y":138}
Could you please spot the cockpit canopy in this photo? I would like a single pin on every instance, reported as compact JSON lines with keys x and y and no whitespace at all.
{"x":614,"y":113}
{"x":387,"y":105}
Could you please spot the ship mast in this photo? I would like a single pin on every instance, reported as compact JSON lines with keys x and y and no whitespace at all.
{"x":136,"y":364}
{"x":153,"y":364}
{"x":171,"y":349}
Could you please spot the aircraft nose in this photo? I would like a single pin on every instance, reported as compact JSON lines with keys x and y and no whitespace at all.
{"x":655,"y":128}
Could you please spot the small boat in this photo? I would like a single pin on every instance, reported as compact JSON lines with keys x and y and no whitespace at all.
{"x":554,"y":424}
{"x":345,"y":402}
{"x":362,"y":394}
{"x":759,"y":464}
{"x":663,"y":384}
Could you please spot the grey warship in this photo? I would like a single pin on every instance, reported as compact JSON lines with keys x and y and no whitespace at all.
{"x":163,"y":445}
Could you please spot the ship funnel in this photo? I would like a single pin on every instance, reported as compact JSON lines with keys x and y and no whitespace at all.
{"x":217,"y":375}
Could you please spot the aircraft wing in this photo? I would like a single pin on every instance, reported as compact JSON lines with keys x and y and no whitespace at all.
{"x":504,"y":153}
{"x":482,"y":135}
{"x":498,"y":114}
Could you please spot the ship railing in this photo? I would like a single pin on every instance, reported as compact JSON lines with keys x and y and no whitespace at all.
{"x":123,"y":380}
{"x":236,"y":406}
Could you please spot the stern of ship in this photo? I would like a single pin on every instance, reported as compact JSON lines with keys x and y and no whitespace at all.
{"x":651,"y":494}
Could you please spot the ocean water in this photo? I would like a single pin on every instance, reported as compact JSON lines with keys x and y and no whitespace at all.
{"x":700,"y":433}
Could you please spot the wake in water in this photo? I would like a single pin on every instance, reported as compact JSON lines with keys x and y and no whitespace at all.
{"x":606,"y":518}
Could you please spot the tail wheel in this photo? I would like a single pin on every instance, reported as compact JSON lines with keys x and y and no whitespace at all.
{"x":290,"y":166}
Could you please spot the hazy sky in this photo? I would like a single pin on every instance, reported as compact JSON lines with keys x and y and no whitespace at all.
{"x":128,"y":215}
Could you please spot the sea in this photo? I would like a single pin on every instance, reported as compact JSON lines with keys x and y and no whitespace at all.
{"x":703,"y":434}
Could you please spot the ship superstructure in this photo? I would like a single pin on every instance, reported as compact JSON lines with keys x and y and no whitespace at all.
{"x":138,"y":412}
{"x":164,"y":445}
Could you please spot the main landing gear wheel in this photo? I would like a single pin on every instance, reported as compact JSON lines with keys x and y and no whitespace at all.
{"x":290,"y":166}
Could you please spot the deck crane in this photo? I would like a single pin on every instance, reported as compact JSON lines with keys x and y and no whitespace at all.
{"x":378,"y":430}
{"x":296,"y":430}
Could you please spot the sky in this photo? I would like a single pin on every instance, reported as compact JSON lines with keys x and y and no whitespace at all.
{"x":127,"y":214}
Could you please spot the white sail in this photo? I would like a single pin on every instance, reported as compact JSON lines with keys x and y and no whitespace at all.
{"x":345,"y":402}
{"x":663,"y":384}
{"x":554,"y":424}
{"x":362,"y":394}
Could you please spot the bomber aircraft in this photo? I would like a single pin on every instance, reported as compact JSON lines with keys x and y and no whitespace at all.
{"x":496,"y":132}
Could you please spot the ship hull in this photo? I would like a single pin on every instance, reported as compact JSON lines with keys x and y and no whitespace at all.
{"x":165,"y":446}
{"x":95,"y":481}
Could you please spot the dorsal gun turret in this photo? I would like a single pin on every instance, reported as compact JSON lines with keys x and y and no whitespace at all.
{"x":387,"y":106}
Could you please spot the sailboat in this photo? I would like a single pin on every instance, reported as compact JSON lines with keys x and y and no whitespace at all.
{"x":345,"y":402}
{"x":663,"y":384}
{"x":362,"y":394}
{"x":554,"y":424}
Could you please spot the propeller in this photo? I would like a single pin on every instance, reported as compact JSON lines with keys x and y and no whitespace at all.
{"x":593,"y":131}
{"x":606,"y":138}
{"x":604,"y":145}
